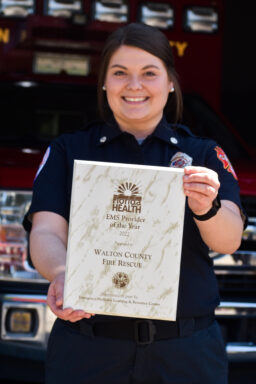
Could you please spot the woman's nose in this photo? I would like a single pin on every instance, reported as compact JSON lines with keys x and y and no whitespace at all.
{"x":134,"y":82}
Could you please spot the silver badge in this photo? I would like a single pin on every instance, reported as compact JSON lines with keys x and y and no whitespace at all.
{"x":180,"y":160}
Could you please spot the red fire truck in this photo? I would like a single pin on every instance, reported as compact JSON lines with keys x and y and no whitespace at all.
{"x":49,"y":56}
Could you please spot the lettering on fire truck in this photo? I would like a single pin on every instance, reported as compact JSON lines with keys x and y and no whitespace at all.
{"x":4,"y":35}
{"x":180,"y":46}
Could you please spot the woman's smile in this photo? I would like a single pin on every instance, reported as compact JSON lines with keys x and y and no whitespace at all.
{"x":135,"y":100}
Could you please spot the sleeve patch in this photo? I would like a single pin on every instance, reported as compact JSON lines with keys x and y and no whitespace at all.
{"x":44,"y":160}
{"x":225,"y":161}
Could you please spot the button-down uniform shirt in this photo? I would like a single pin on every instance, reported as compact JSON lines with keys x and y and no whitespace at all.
{"x":198,"y":289}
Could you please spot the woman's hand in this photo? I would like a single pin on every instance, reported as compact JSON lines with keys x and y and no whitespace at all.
{"x":201,"y":185}
{"x":55,"y":302}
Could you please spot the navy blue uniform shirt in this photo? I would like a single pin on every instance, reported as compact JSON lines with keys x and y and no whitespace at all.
{"x":198,"y":290}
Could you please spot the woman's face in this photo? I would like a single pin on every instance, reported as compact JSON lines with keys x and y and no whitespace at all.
{"x":137,"y":86}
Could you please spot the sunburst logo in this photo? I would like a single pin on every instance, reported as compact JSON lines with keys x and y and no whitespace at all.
{"x":127,"y":198}
{"x":128,"y":189}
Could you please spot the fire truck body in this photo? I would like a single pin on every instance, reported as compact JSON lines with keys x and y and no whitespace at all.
{"x":49,"y":56}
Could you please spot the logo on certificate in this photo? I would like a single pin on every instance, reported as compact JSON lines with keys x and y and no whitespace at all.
{"x":127,"y":198}
{"x":120,"y":279}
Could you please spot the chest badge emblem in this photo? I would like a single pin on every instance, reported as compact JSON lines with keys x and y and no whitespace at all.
{"x":180,"y":160}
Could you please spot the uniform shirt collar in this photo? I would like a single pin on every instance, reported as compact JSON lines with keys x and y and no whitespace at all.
{"x":109,"y":131}
{"x":164,"y":131}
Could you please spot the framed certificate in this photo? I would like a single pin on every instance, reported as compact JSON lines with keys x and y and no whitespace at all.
{"x":125,"y":238}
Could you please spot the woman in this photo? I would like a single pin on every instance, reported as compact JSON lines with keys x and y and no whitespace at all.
{"x":136,"y":80}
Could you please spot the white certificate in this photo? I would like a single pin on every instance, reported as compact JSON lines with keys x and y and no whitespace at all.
{"x":125,"y":239}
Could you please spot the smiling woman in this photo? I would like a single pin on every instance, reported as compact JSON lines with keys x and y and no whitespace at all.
{"x":137,"y":82}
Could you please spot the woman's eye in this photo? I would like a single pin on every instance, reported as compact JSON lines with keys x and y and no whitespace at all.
{"x":149,"y":74}
{"x":119,"y":73}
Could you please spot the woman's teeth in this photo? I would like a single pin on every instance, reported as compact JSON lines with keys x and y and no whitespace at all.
{"x":135,"y":99}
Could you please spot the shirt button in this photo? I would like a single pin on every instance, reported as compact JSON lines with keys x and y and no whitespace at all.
{"x":103,"y":139}
{"x":173,"y":140}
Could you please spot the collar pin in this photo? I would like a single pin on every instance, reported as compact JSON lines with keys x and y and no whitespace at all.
{"x":173,"y":140}
{"x":103,"y":139}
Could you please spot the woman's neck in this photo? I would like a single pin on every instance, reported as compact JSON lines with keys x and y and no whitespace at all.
{"x":139,"y":129}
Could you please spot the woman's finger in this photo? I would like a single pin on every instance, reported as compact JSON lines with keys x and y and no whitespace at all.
{"x":203,"y":178}
{"x":204,"y":189}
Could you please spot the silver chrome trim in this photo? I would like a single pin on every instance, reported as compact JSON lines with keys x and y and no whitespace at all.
{"x":250,"y":233}
{"x":234,"y":272}
{"x":244,"y":252}
{"x":240,"y":258}
{"x":201,"y":19}
{"x":237,"y":304}
{"x":45,"y":317}
{"x":157,"y":15}
{"x":111,"y":11}
{"x":234,"y":309}
{"x":233,"y":348}
{"x":252,"y":220}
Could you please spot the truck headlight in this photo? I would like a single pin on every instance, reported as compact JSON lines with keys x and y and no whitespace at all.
{"x":25,"y":318}
{"x":112,"y":11}
{"x":63,"y":8}
{"x":16,"y":8}
{"x":201,"y":19}
{"x":157,"y":15}
{"x":19,"y":320}
{"x":13,"y":239}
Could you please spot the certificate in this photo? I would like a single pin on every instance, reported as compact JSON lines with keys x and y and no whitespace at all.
{"x":125,"y":239}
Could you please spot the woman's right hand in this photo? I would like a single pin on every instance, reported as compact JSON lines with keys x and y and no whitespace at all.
{"x":55,"y":301}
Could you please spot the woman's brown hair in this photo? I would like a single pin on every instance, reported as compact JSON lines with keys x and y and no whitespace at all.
{"x":149,"y":39}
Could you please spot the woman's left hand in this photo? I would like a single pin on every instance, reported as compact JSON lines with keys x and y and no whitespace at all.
{"x":201,"y":186}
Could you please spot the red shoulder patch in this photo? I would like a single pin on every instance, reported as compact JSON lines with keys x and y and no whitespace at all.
{"x":225,"y":161}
